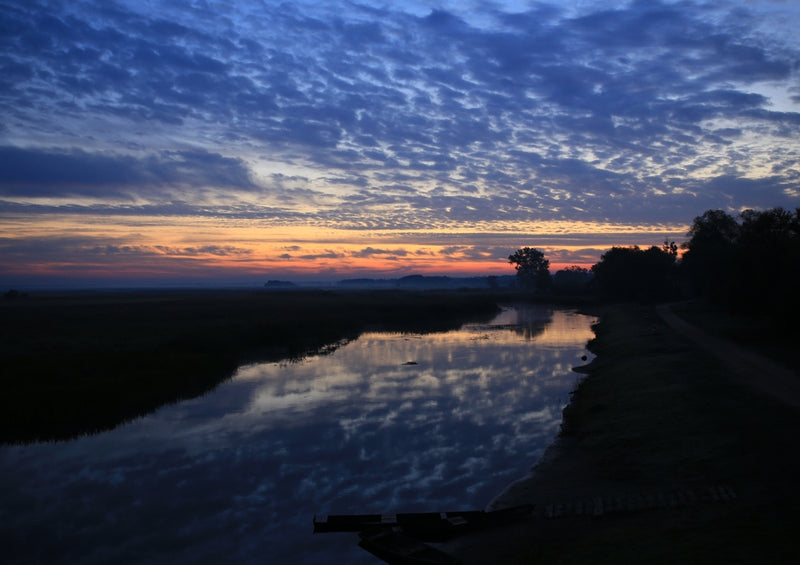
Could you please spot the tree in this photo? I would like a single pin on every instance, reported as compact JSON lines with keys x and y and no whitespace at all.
{"x":766,"y":262}
{"x":749,"y":263}
{"x":632,"y":273}
{"x":710,"y":254}
{"x":533,"y":270}
{"x":571,"y":280}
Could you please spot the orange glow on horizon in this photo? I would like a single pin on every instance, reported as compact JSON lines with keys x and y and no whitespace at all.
{"x":138,"y":247}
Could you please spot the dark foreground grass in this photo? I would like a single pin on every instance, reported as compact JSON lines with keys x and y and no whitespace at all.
{"x":657,"y":414}
{"x":79,"y":363}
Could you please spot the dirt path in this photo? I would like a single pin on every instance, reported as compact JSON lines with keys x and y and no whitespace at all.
{"x":759,"y":373}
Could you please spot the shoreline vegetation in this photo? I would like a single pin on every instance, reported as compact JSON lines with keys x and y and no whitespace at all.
{"x":76,"y":363}
{"x":659,"y":417}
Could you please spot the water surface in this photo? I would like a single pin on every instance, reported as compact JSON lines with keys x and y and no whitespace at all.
{"x":386,"y":423}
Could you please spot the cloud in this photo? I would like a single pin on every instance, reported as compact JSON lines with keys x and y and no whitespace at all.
{"x":216,"y":250}
{"x":94,"y":248}
{"x":398,"y":117}
{"x":53,"y":172}
{"x":371,"y":252}
{"x":329,"y":254}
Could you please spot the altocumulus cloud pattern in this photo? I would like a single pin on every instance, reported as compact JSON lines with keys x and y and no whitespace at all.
{"x":439,"y":131}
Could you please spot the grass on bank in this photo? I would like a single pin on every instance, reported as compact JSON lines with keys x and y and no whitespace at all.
{"x":657,"y":413}
{"x":78,"y":363}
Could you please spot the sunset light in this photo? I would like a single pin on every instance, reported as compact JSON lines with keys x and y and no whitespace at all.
{"x":160,"y":143}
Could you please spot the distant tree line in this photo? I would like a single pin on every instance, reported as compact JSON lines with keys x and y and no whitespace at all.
{"x":749,"y":262}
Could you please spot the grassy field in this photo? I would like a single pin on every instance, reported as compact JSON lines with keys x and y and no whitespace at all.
{"x":77,"y":363}
{"x":657,"y":414}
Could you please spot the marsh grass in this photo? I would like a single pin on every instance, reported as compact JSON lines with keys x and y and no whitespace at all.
{"x":78,"y":363}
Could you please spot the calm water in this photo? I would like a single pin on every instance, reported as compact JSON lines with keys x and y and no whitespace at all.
{"x":387,"y":423}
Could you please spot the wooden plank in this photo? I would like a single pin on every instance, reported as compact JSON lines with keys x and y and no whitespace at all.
{"x":428,"y":526}
{"x":395,"y":547}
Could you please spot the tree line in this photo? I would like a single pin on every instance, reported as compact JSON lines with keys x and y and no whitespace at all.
{"x":749,"y":262}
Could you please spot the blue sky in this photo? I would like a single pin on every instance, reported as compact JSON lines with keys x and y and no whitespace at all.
{"x":201,"y":140}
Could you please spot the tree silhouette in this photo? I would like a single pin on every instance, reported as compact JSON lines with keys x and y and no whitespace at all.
{"x":572,"y":280}
{"x":767,"y":264}
{"x":533,"y":270}
{"x":632,"y":273}
{"x":710,"y":254}
{"x":749,"y":264}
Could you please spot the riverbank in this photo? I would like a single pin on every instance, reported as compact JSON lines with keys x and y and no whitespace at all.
{"x":75,"y":363}
{"x":664,"y":423}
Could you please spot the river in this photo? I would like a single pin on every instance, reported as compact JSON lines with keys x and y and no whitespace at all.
{"x":385,"y":423}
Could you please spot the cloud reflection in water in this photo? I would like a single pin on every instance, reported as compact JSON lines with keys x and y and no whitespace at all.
{"x":237,"y":474}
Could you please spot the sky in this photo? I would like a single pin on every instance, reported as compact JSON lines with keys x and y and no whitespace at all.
{"x":210,"y":142}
